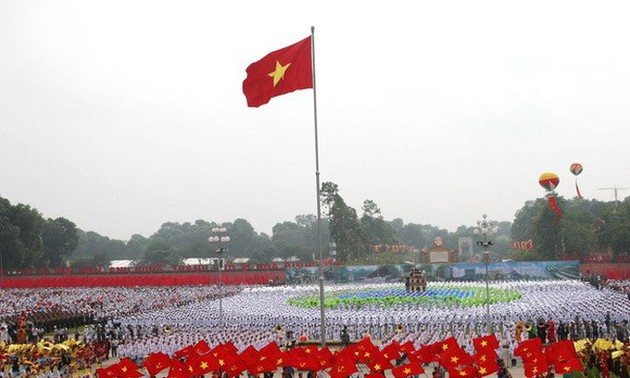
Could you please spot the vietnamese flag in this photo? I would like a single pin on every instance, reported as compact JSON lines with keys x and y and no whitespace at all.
{"x":560,"y":351}
{"x":129,"y":369}
{"x":569,"y":366}
{"x":485,"y":357}
{"x":391,"y":352}
{"x":443,"y":346}
{"x":201,"y":364}
{"x":487,"y":368}
{"x":454,"y":358}
{"x":465,"y":372}
{"x":156,"y":362}
{"x":379,"y":364}
{"x":485,"y":342}
{"x":407,"y":370}
{"x":536,"y":365}
{"x":279,"y":72}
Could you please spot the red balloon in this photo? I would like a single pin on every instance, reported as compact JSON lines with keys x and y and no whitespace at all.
{"x":549,"y":180}
{"x":576,"y":168}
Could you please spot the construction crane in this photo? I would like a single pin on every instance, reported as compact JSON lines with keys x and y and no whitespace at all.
{"x":615,"y":190}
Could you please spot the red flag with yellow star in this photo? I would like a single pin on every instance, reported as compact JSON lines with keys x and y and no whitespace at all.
{"x":279,"y":72}
{"x":485,"y":343}
{"x":407,"y":370}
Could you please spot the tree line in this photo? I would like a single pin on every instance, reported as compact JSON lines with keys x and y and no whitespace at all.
{"x":28,"y":240}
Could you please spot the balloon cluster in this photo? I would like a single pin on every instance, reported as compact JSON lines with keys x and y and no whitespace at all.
{"x":549,"y":181}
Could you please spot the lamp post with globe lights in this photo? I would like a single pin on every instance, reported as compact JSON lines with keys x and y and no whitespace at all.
{"x":220,"y":239}
{"x":485,"y":229}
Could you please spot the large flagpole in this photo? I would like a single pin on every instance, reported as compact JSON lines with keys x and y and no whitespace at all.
{"x":319,"y":206}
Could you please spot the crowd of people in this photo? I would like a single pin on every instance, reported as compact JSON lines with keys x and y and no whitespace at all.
{"x":136,"y":322}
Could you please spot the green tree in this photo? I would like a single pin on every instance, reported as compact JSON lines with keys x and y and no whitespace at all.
{"x":160,"y":253}
{"x":60,"y":239}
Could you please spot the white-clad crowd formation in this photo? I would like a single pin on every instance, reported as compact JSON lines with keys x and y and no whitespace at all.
{"x":251,"y":316}
{"x":167,"y":319}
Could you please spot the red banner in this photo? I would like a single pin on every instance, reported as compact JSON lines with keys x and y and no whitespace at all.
{"x":163,"y":279}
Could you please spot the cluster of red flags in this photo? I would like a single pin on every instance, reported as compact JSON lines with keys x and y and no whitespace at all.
{"x":526,"y":245}
{"x":537,"y":359}
{"x":199,"y":359}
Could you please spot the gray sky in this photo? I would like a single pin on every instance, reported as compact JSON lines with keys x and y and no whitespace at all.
{"x":122,"y":115}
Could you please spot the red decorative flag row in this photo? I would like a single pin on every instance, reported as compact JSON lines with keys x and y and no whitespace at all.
{"x":526,"y":245}
{"x":225,"y":357}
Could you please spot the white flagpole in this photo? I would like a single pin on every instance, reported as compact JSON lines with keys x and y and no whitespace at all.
{"x":319,"y":206}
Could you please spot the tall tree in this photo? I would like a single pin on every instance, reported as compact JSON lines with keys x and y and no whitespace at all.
{"x":60,"y":238}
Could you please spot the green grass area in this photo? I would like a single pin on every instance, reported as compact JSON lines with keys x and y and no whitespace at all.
{"x":438,"y":296}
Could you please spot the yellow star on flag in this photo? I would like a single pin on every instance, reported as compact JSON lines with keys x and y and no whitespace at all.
{"x":566,"y":368}
{"x":407,"y":371}
{"x":221,"y":362}
{"x":204,"y":365}
{"x":278,"y":74}
{"x":454,"y":359}
{"x":377,"y":367}
{"x":482,"y":370}
{"x":444,"y":346}
{"x":484,"y":343}
{"x":462,"y":373}
{"x":124,"y":369}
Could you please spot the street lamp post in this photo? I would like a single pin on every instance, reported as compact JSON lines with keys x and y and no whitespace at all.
{"x":486,"y":228}
{"x":220,"y":239}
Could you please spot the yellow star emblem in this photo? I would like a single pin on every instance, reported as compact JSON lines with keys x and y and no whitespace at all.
{"x":484,"y":343}
{"x":278,"y":74}
{"x":462,"y":373}
{"x":483,"y":358}
{"x":124,"y":369}
{"x":535,"y":370}
{"x":444,"y":346}
{"x":221,"y":362}
{"x":279,"y":361}
{"x":407,"y":371}
{"x":454,"y":359}
{"x":367,"y":354}
{"x":204,"y":365}
{"x":377,"y":367}
{"x":566,"y":368}
{"x":482,"y":370}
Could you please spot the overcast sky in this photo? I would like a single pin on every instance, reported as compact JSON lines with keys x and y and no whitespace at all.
{"x":123,"y":115}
